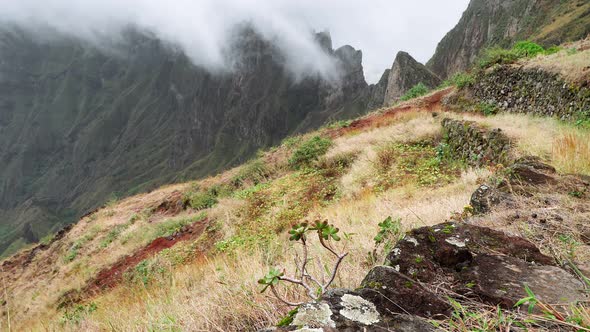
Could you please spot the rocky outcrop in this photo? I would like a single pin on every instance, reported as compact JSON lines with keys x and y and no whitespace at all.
{"x":458,"y":260}
{"x":472,"y":262}
{"x":532,"y":91}
{"x":377,"y":91}
{"x":468,"y":141}
{"x":404,"y":74}
{"x":498,"y":22}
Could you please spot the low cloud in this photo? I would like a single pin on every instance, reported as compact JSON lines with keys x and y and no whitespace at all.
{"x":203,"y":28}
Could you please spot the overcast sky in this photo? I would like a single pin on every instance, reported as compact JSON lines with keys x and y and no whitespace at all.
{"x":380,"y":28}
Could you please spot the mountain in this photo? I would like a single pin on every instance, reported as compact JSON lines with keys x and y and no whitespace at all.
{"x":502,"y":22}
{"x":80,"y":125}
{"x":404,"y":74}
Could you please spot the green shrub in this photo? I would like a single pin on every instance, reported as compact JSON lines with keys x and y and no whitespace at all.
{"x":497,"y":56}
{"x":459,"y":80}
{"x":487,"y":109}
{"x":416,"y":91}
{"x":309,"y":151}
{"x":527,"y":49}
{"x":523,"y":49}
{"x":255,"y":172}
{"x":200,"y":200}
{"x":552,"y":50}
{"x":171,"y":226}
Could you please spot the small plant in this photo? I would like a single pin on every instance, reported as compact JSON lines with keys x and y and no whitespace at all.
{"x":314,"y":286}
{"x":416,"y":91}
{"x":459,"y":80}
{"x":533,"y":301}
{"x":309,"y":151}
{"x":201,"y":200}
{"x":340,"y":124}
{"x":487,"y":109}
{"x":78,"y":313}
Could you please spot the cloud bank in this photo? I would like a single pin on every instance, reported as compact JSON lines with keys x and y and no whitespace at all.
{"x":202,"y":28}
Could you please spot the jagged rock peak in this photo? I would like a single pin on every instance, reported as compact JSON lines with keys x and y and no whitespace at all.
{"x":324,"y":39}
{"x":405,"y":73}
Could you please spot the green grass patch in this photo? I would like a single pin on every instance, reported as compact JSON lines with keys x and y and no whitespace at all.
{"x":309,"y":151}
{"x":412,"y":163}
{"x":416,"y":91}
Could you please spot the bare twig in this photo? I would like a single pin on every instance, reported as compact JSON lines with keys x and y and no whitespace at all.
{"x":274,"y":291}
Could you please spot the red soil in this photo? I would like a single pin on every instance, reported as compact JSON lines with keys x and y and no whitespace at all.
{"x":429,"y":103}
{"x":112,"y":276}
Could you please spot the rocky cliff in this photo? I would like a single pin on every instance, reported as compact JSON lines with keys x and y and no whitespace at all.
{"x":79,"y":124}
{"x":404,"y":74}
{"x":499,"y":22}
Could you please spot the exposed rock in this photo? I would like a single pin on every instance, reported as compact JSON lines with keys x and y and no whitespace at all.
{"x":349,"y":311}
{"x":531,"y":91}
{"x":485,"y":197}
{"x":498,"y":22}
{"x":474,"y":144}
{"x":405,"y":73}
{"x":464,"y":256}
{"x":394,"y":292}
{"x":532,"y":171}
{"x":377,"y":91}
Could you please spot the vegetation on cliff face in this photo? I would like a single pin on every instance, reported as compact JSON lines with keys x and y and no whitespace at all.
{"x":488,"y":23}
{"x":80,"y":125}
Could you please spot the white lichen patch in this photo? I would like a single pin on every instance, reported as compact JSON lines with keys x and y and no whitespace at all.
{"x":412,"y":240}
{"x":314,"y":315}
{"x":305,"y":329}
{"x":359,"y":310}
{"x":396,"y":268}
{"x":396,"y":251}
{"x":456,"y":242}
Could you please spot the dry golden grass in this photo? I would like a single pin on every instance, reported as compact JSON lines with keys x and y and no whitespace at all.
{"x":218,"y":291}
{"x":574,"y":66}
{"x":563,"y":145}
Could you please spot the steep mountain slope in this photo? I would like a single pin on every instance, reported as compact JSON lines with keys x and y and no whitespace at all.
{"x":502,"y":22}
{"x":187,"y":256}
{"x":79,"y":124}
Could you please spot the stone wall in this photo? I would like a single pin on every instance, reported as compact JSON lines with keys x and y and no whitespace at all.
{"x":532,"y":91}
{"x":468,"y":141}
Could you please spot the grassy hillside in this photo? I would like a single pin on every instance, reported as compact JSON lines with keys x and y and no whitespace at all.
{"x":187,"y":257}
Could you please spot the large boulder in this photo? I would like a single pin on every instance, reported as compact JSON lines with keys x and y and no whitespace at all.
{"x":349,"y":311}
{"x":484,"y":264}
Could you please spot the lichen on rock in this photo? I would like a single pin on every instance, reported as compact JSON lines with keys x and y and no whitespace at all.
{"x":359,"y":310}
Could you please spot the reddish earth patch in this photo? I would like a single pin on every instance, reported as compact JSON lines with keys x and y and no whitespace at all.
{"x":429,"y":103}
{"x":112,"y":276}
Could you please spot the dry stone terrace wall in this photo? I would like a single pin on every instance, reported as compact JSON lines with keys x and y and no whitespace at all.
{"x":466,"y":140}
{"x":532,"y":91}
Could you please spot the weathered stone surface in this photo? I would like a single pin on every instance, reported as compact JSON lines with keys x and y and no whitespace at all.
{"x":505,"y":286}
{"x":476,"y":145}
{"x":483,"y":263}
{"x":499,"y":22}
{"x":531,"y":170}
{"x":394,"y":292}
{"x":485,"y":197}
{"x":405,"y":73}
{"x":350,"y":311}
{"x":531,"y":91}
